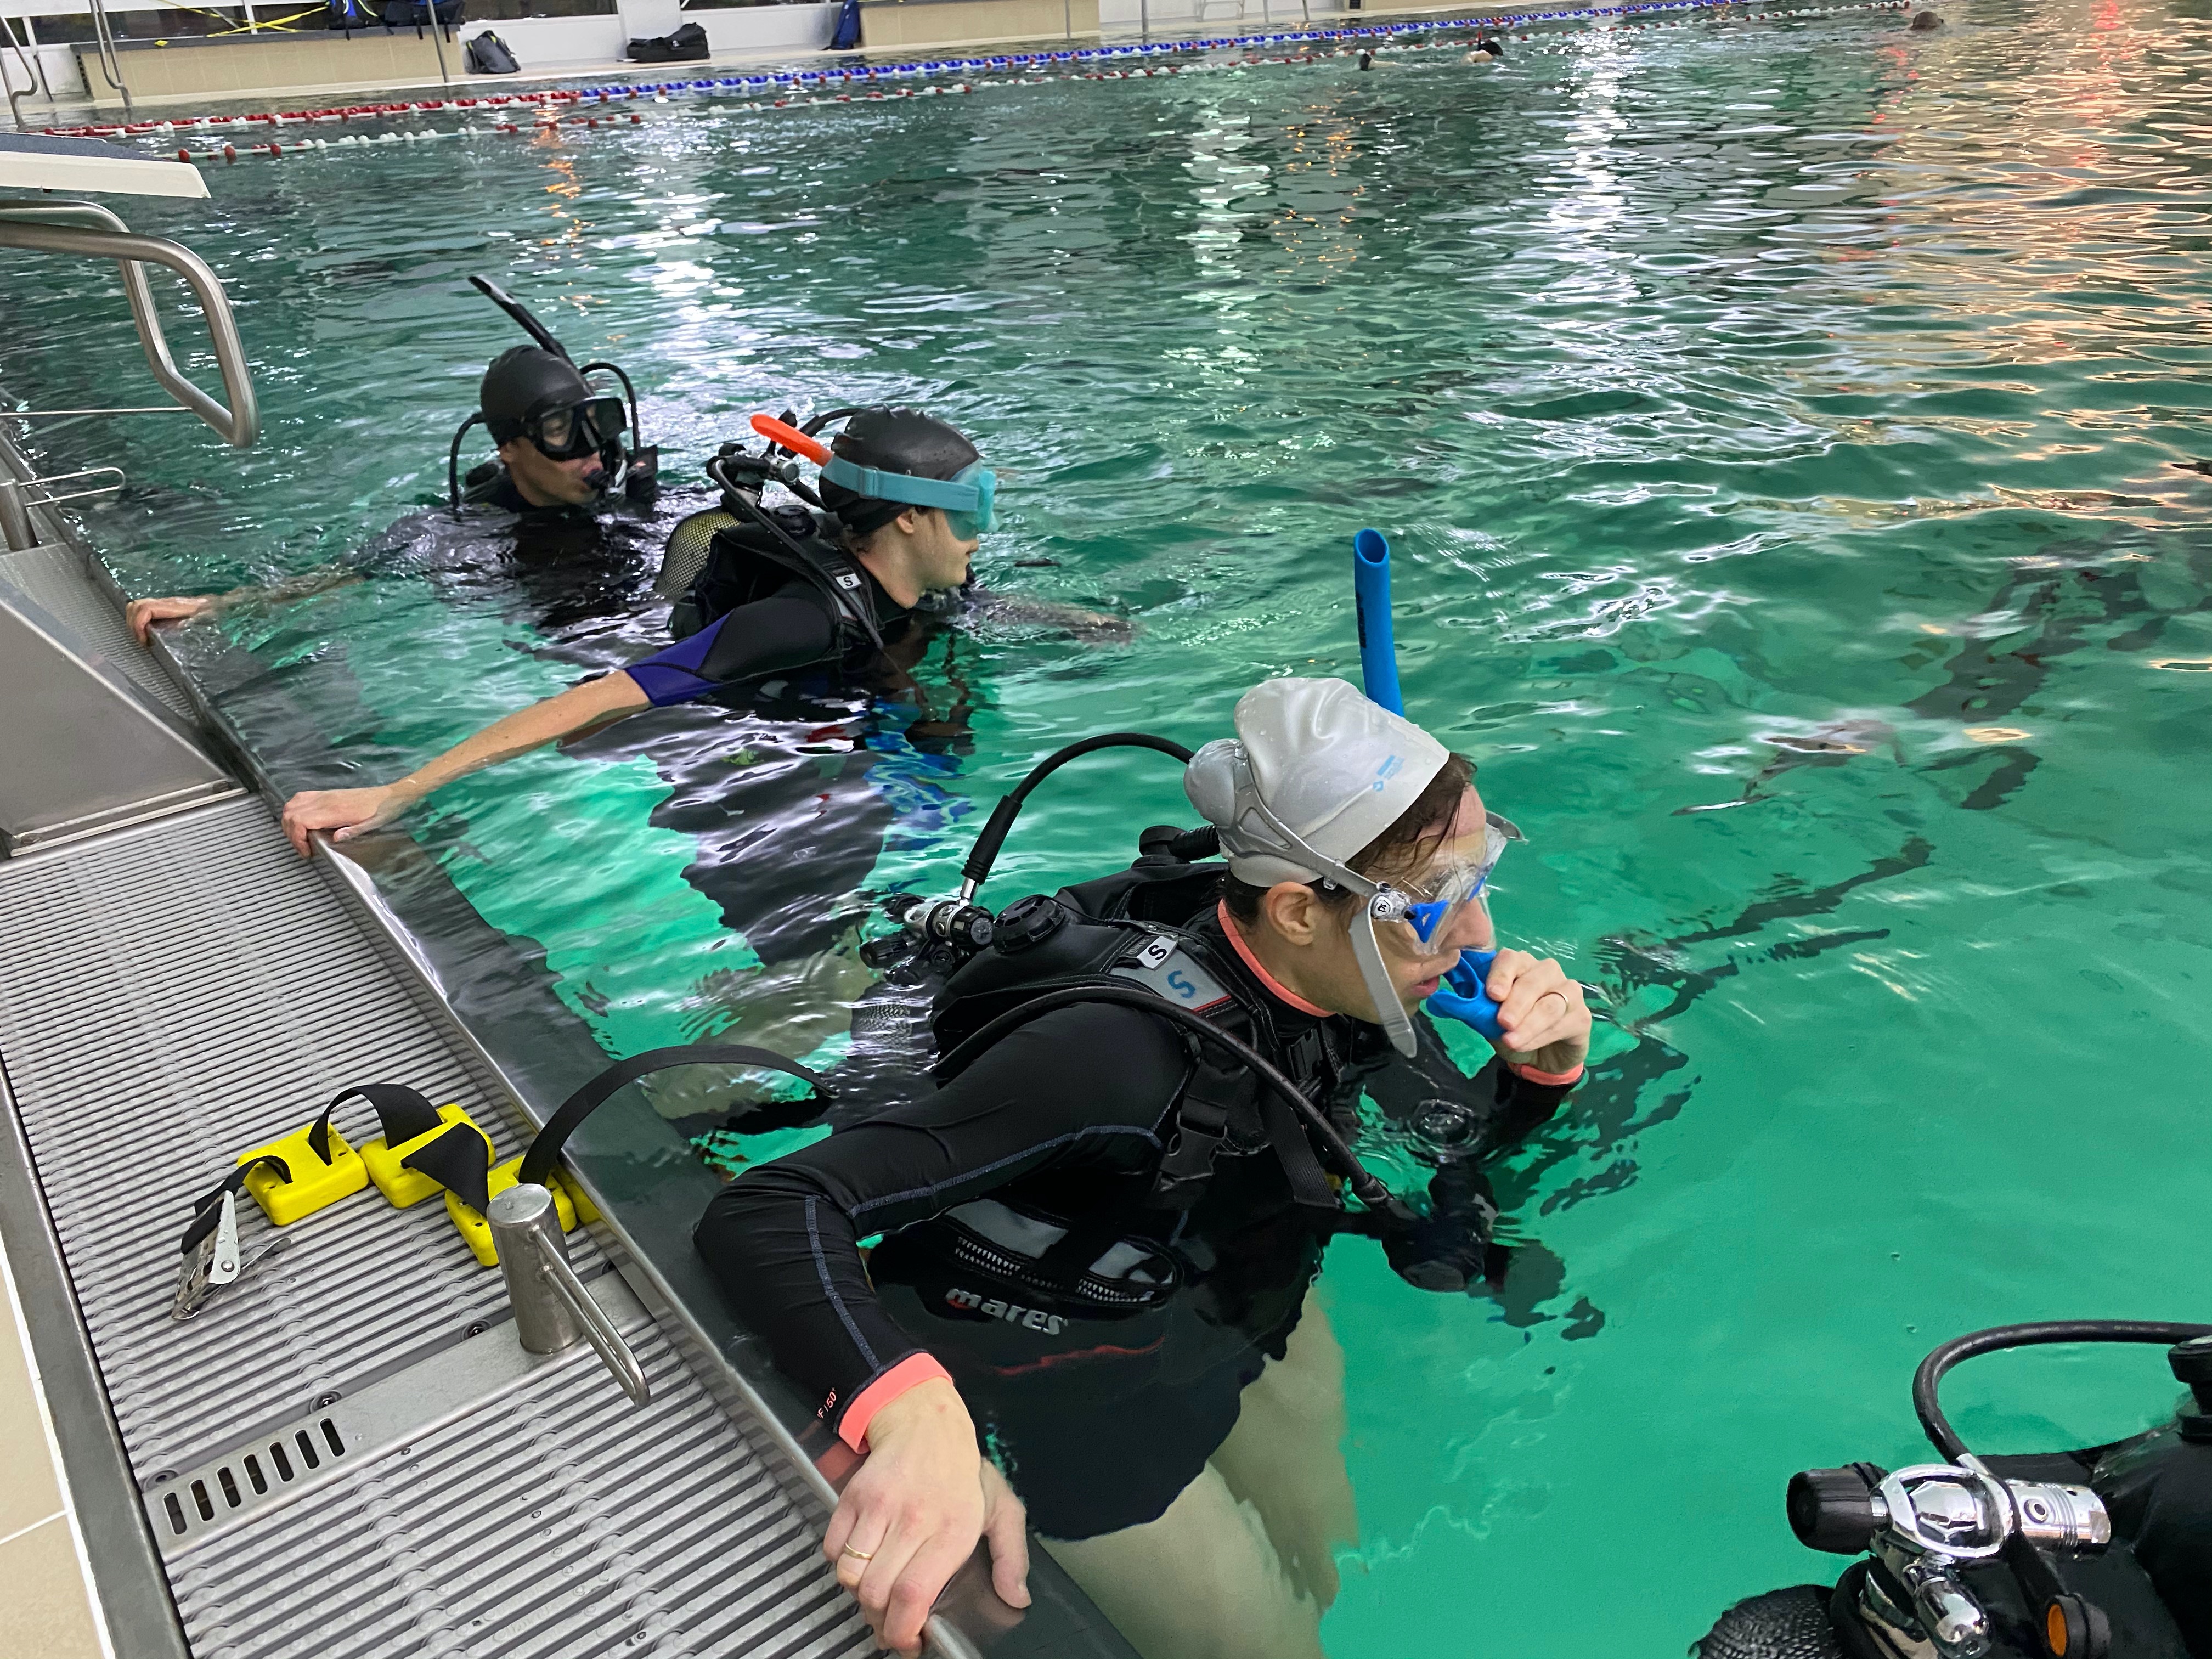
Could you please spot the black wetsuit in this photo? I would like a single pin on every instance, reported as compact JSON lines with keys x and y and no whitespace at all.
{"x":569,"y":565}
{"x":792,"y":804}
{"x":1100,"y":1416}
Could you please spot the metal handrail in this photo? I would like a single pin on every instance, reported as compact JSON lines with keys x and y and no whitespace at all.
{"x":30,"y":72}
{"x":98,"y":234}
{"x":111,"y":66}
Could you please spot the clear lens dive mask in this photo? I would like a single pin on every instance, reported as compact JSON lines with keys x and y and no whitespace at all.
{"x":968,"y":498}
{"x":584,"y":428}
{"x":1436,"y":904}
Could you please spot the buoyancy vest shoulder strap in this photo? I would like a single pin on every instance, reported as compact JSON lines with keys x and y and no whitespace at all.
{"x":820,"y":561}
{"x":1221,"y":1101}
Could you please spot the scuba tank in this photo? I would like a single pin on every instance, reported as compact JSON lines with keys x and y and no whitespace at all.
{"x":2104,"y":1553}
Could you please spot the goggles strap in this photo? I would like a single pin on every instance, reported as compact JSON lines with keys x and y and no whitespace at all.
{"x":903,"y":487}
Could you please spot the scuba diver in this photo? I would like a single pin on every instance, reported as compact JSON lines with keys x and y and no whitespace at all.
{"x":2102,"y":1553}
{"x":1099,"y":1234}
{"x":904,"y":501}
{"x":565,"y":508}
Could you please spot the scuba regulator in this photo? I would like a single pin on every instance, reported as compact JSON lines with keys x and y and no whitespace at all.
{"x":1998,"y":1559}
{"x":595,"y":424}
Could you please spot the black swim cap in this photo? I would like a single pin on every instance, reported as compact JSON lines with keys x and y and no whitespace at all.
{"x":525,"y":381}
{"x":893,"y":441}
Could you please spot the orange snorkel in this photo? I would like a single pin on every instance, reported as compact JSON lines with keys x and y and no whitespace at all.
{"x":791,"y":438}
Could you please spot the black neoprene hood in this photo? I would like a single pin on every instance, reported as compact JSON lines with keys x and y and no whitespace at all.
{"x":525,"y":381}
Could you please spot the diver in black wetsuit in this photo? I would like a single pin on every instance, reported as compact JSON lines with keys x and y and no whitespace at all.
{"x":1099,"y":1234}
{"x":544,"y":514}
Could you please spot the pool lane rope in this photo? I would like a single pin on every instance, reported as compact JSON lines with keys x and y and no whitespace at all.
{"x":797,"y":89}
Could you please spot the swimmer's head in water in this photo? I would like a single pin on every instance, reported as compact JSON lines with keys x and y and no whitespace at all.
{"x":884,"y":460}
{"x":1927,"y":19}
{"x":1492,"y":48}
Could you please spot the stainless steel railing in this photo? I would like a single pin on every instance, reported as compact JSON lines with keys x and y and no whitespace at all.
{"x":111,"y":61}
{"x":16,"y":95}
{"x":92,"y":232}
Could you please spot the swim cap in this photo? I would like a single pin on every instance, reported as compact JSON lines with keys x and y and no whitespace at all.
{"x":1331,"y":768}
{"x":893,"y":441}
{"x":525,"y":381}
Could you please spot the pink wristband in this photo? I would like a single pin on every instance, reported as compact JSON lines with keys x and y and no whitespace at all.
{"x":915,"y":1368}
{"x":1549,"y":1079}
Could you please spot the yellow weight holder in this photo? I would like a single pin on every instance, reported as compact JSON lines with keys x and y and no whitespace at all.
{"x":475,"y":1231}
{"x":315,"y":1182}
{"x":401,"y":1185}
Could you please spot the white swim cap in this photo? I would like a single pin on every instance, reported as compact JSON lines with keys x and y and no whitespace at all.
{"x":1329,"y":766}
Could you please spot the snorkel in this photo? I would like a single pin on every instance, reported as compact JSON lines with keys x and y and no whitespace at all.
{"x":1370,"y":597}
{"x":1462,"y":994}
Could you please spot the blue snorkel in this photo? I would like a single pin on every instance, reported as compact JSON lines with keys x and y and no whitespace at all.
{"x":1462,"y":995}
{"x":1378,"y":645}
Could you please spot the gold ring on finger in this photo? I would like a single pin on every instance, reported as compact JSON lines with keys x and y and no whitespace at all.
{"x":857,"y":1555}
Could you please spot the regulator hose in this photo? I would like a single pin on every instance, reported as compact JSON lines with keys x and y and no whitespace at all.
{"x":544,"y":1151}
{"x":977,"y":870}
{"x":1356,"y":1175}
{"x":1926,"y":1380}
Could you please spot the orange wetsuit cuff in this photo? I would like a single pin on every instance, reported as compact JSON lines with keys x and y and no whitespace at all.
{"x":915,"y":1368}
{"x":1549,"y":1079}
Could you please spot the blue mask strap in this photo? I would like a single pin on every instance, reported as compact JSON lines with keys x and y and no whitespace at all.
{"x":877,"y":486}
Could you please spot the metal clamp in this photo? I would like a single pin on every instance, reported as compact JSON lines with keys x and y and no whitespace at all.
{"x":97,"y":233}
{"x":553,"y":1311}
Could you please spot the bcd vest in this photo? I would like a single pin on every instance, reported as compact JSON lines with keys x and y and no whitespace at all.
{"x":747,"y":560}
{"x":1115,"y":932}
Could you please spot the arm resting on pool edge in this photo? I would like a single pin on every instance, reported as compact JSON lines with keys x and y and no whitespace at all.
{"x":350,"y":812}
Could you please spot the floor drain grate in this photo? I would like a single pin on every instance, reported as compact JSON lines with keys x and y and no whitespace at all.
{"x":244,"y":1478}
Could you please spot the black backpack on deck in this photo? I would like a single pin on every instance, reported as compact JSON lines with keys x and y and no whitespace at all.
{"x":688,"y":45}
{"x":490,"y":55}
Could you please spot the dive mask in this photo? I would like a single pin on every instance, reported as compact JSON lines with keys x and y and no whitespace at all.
{"x":1220,"y":783}
{"x":565,"y":432}
{"x":1438,"y":901}
{"x":967,"y":498}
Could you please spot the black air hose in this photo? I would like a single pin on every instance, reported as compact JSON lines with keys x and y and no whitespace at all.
{"x":545,"y":1150}
{"x":1925,"y":1381}
{"x":977,"y":869}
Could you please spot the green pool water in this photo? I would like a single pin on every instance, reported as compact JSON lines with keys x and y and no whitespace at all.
{"x":1776,"y":423}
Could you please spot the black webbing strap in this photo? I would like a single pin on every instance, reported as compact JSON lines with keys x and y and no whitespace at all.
{"x":1215,"y":1091}
{"x":459,"y":1160}
{"x":1309,"y":1185}
{"x":401,"y":1112}
{"x":538,"y":1163}
{"x":207,"y":1211}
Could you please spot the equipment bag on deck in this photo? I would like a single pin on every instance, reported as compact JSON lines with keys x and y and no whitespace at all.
{"x":688,"y":45}
{"x":490,"y":55}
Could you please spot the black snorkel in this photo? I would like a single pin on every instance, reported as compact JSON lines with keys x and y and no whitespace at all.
{"x":636,"y":469}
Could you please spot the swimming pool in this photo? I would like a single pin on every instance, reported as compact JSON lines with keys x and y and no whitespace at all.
{"x":1775,"y":419}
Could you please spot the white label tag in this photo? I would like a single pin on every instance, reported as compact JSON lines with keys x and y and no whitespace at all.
{"x":1174,"y":977}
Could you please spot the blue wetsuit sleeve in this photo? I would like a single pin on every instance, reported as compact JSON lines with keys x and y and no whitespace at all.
{"x":773,"y":636}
